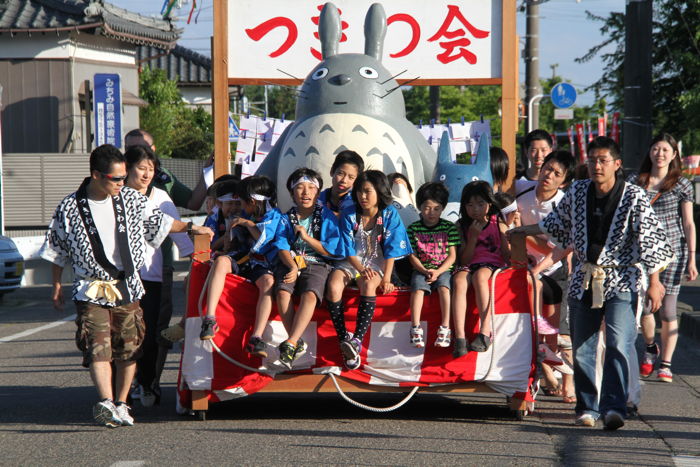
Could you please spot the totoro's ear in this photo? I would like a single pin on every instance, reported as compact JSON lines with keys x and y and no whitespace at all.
{"x":329,"y":30}
{"x":375,"y":30}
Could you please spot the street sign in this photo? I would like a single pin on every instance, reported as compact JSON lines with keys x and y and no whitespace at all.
{"x":563,"y":114}
{"x":233,"y":131}
{"x":563,"y":95}
{"x":107,"y":97}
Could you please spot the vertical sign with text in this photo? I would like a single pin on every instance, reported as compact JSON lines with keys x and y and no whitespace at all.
{"x":107,"y":98}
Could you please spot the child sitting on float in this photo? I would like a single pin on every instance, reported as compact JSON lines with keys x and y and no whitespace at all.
{"x":307,"y":239}
{"x":373,"y":236}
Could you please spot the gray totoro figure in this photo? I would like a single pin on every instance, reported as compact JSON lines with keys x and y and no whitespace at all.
{"x":350,"y":101}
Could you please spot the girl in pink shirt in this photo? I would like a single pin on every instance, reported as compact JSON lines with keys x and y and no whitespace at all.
{"x":484,"y":249}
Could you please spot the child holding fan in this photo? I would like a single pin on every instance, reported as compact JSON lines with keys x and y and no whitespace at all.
{"x":307,"y":237}
{"x":484,"y":249}
{"x":258,"y":198}
{"x":373,"y":236}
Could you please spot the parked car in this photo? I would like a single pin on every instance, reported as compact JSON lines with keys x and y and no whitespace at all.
{"x":11,"y":266}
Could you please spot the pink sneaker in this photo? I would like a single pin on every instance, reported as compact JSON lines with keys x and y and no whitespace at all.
{"x":647,"y":366}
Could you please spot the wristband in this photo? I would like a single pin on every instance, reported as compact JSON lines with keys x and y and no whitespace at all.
{"x":189,"y":227}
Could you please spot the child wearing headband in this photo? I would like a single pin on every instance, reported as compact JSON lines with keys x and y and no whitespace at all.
{"x":508,"y":207}
{"x":227,"y":206}
{"x":307,"y":239}
{"x":258,"y":199}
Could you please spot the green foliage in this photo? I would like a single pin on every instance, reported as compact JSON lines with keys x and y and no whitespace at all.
{"x":280,"y":100}
{"x":178,"y":131}
{"x":675,"y":67}
{"x":470,"y":102}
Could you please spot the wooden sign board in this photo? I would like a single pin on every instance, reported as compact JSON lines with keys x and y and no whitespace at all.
{"x":467,"y":42}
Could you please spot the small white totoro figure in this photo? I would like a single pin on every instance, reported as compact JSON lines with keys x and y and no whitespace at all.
{"x":350,"y":101}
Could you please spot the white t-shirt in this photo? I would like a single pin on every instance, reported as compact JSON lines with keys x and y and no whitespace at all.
{"x":532,"y":211}
{"x":522,"y":184}
{"x":103,"y":215}
{"x":152,"y":269}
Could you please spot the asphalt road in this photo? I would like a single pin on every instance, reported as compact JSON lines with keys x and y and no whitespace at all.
{"x":46,"y":399}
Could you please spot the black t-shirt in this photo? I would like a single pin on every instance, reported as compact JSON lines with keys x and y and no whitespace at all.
{"x":599,"y":217}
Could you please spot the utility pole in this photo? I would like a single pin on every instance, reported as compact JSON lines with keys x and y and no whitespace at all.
{"x":434,"y":99}
{"x":532,"y":61}
{"x":636,"y":124}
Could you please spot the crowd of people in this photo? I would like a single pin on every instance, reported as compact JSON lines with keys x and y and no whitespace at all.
{"x":617,"y":247}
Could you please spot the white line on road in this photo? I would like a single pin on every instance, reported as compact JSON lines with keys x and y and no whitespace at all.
{"x":128,"y":464}
{"x":29,"y":332}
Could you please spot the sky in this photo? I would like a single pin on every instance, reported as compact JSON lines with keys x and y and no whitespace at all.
{"x":565,"y":34}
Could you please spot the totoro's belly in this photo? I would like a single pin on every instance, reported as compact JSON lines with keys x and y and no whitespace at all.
{"x":316,"y":141}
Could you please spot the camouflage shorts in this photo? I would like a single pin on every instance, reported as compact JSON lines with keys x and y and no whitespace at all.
{"x":109,"y":333}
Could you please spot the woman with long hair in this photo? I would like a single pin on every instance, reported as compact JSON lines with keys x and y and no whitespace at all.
{"x":671,"y":196}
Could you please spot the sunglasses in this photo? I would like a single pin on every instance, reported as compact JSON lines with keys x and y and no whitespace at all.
{"x":112,"y":178}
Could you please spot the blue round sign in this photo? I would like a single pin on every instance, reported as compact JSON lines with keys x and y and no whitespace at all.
{"x":563,"y":95}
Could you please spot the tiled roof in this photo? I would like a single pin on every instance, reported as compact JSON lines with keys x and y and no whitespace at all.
{"x":17,"y":16}
{"x":181,"y":64}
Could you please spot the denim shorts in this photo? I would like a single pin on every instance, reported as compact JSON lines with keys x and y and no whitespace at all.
{"x":420,"y":282}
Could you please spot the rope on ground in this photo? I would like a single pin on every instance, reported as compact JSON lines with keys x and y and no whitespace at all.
{"x":369,"y":407}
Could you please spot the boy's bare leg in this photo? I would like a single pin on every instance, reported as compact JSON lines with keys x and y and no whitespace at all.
{"x":285,"y":308}
{"x":444,"y":296}
{"x":264,"y":305}
{"x":303,"y":316}
{"x":416,"y":306}
{"x":222,"y":267}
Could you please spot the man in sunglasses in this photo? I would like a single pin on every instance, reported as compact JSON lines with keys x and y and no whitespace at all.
{"x":101,"y":231}
{"x":621,"y":246}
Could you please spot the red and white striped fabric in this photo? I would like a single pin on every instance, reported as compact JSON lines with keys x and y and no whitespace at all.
{"x":389,"y":358}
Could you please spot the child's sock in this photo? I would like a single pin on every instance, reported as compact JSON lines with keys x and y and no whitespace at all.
{"x":664,"y":364}
{"x":337,"y":311}
{"x":652,"y":348}
{"x":365,"y":312}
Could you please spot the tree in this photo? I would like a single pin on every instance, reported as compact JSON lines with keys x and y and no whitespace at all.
{"x":178,"y":131}
{"x":281,"y":100}
{"x":675,"y":67}
{"x":470,"y":102}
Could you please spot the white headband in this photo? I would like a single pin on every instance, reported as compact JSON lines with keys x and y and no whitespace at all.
{"x":512,"y":207}
{"x":258,"y":197}
{"x":306,"y":179}
{"x":228,"y":197}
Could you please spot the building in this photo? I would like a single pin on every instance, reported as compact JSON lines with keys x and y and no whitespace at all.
{"x":49,"y":48}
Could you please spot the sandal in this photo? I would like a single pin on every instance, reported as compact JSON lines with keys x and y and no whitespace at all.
{"x":416,"y":336}
{"x":569,"y":399}
{"x":443,"y":337}
{"x":550,"y":391}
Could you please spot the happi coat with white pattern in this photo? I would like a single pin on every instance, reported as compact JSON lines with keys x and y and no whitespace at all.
{"x":67,"y":241}
{"x":635,"y":245}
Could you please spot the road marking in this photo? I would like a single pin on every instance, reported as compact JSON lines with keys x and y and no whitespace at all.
{"x":29,"y":332}
{"x":686,"y":461}
{"x":128,"y":464}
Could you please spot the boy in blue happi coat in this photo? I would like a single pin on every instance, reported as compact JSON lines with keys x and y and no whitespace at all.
{"x":307,"y":239}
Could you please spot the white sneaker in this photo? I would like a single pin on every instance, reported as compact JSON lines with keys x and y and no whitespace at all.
{"x":106,"y":413}
{"x":148,"y":398}
{"x":123,"y":412}
{"x":585,"y":420}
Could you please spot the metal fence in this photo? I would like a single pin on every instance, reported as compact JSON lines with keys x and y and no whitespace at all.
{"x":34,"y":184}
